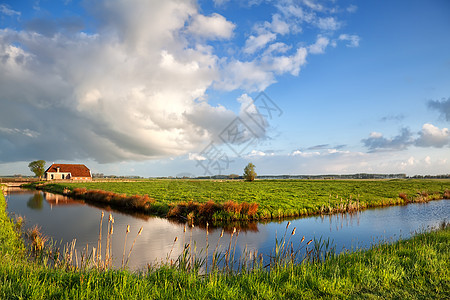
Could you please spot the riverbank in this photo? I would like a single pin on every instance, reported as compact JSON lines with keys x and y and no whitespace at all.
{"x":416,"y":268}
{"x":230,"y":200}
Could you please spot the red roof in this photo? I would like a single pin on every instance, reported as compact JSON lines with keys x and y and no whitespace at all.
{"x":74,"y":170}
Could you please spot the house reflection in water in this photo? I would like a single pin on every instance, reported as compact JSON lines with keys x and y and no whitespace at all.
{"x":55,"y":199}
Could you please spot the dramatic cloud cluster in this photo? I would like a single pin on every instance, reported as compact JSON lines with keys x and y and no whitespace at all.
{"x":432,"y":136}
{"x":376,"y":141}
{"x":136,"y":88}
{"x":429,"y":136}
{"x":442,"y":106}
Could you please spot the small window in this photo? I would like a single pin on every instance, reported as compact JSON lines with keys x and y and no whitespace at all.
{"x":62,"y":176}
{"x":52,"y":176}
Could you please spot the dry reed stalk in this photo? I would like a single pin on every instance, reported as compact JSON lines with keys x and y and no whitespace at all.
{"x":171,"y":249}
{"x":71,"y":251}
{"x":190,"y":248}
{"x":207,"y":246}
{"x":227,"y":254}
{"x":184,"y":236}
{"x":215,"y":250}
{"x":125,"y":244}
{"x":289,"y":240}
{"x":111,"y":231}
{"x":234,"y":250}
{"x":93,"y":254}
{"x":131,"y":249}
{"x":107,"y":240}
{"x":99,"y":243}
{"x":76,"y":259}
{"x":84,"y":257}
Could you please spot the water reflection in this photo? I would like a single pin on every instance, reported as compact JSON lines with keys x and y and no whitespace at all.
{"x":36,"y":201}
{"x":65,"y":219}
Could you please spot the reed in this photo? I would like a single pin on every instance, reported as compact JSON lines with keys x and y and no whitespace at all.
{"x":37,"y":238}
{"x":99,"y":243}
{"x":171,"y":250}
{"x":108,"y":236}
{"x":132,"y":245}
{"x":207,"y":245}
{"x":215,"y":256}
{"x":125,"y":244}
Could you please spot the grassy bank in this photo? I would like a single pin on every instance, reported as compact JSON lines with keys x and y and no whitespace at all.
{"x":417,"y":268}
{"x":264,"y":199}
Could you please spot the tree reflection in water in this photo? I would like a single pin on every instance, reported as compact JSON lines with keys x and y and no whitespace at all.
{"x":36,"y":201}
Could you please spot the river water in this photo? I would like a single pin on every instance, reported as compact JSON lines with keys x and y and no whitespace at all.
{"x":64,"y":219}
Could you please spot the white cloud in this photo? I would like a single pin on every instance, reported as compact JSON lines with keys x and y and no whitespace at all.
{"x":257,"y":74}
{"x":220,"y":2}
{"x":214,"y":26}
{"x":276,"y":48}
{"x":377,"y":142}
{"x":442,"y":106}
{"x":305,"y":154}
{"x":136,"y":89}
{"x":429,"y":136}
{"x":432,"y":136}
{"x":328,"y":23}
{"x":257,"y":153}
{"x":375,"y":135}
{"x":278,"y":25}
{"x":140,"y":101}
{"x":255,"y":43}
{"x":196,"y":156}
{"x":319,"y":46}
{"x":352,"y":8}
{"x":336,"y":151}
{"x":6,"y":10}
{"x":250,"y":76}
{"x":14,"y":131}
{"x":291,"y":64}
{"x":411,"y":161}
{"x":298,"y":13}
{"x":353,"y":40}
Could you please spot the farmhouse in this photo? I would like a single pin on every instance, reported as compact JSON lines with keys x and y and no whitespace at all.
{"x":68,"y":172}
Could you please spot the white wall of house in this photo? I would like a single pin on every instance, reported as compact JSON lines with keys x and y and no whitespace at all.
{"x":58,"y":175}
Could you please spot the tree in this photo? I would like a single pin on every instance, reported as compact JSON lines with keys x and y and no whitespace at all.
{"x":37,"y":167}
{"x":249,"y":172}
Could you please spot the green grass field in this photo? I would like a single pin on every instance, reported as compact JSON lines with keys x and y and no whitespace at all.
{"x":277,"y":198}
{"x":418,"y":268}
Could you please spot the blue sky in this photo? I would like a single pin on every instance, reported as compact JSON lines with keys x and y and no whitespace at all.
{"x":158,"y":88}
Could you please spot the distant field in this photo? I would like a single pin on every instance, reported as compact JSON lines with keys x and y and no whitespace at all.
{"x":278,"y":198}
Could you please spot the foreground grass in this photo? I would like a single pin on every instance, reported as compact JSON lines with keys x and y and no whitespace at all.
{"x":417,"y":268}
{"x":270,"y":198}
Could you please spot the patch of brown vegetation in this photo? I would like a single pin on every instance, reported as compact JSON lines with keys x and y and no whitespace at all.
{"x":404,"y":197}
{"x":138,"y":202}
{"x":446,"y":194}
{"x":205,"y":211}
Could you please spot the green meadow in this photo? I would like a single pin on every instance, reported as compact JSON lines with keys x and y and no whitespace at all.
{"x":232,"y":199}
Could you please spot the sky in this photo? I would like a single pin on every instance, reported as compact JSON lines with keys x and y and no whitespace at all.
{"x":171,"y":88}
